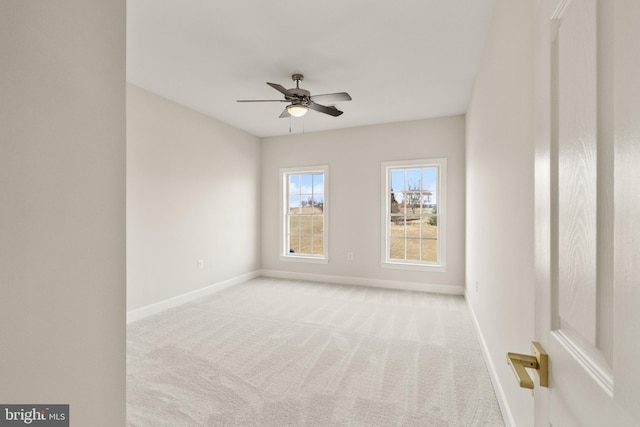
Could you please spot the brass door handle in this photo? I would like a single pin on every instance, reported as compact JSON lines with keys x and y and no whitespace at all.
{"x":539,"y":361}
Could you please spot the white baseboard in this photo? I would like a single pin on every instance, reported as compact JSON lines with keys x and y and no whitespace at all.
{"x":361,"y":281}
{"x":507,"y":416}
{"x":151,"y":309}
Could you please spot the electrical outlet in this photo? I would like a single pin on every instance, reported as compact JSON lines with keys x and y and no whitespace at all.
{"x":200,"y":264}
{"x":350,"y":256}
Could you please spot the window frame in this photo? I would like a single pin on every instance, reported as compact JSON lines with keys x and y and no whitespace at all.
{"x":284,"y":206}
{"x":441,"y":194}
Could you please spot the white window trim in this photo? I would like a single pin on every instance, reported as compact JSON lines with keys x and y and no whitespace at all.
{"x":284,"y":254}
{"x":441,"y":266}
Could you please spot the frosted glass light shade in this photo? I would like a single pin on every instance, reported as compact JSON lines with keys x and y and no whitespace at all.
{"x":297,"y":110}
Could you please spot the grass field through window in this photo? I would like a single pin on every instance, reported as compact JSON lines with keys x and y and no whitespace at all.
{"x":306,"y":227}
{"x":418,"y":235}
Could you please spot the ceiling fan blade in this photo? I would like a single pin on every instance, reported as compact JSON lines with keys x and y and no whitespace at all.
{"x":332,"y":111}
{"x":285,"y":114}
{"x":332,"y":97}
{"x":262,"y":100}
{"x":280,"y":88}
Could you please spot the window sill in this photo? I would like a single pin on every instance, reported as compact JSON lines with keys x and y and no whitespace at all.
{"x":414,"y":267}
{"x":305,"y":259}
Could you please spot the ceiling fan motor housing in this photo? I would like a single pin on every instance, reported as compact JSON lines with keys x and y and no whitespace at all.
{"x":298,"y":96}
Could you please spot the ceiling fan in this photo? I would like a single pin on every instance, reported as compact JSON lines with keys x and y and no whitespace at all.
{"x":301,"y":100}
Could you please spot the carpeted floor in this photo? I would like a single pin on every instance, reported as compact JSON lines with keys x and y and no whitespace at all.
{"x":290,"y":353}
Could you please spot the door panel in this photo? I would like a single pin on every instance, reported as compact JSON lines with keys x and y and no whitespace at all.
{"x":588,"y":210}
{"x":576,"y":116}
{"x":577,"y":310}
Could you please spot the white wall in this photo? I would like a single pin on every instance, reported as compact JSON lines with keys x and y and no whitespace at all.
{"x":500,"y":185}
{"x":354,"y":157}
{"x":192,"y":194}
{"x":62,"y":207}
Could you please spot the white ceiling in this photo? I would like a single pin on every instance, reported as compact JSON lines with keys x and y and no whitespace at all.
{"x":401,"y":60}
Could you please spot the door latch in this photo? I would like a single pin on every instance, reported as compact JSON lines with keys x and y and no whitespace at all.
{"x":538,"y":361}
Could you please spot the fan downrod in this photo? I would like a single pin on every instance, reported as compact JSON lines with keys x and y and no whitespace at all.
{"x":297,"y":78}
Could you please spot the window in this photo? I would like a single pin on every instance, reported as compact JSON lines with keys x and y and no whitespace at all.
{"x":304,"y":231}
{"x":414,"y":214}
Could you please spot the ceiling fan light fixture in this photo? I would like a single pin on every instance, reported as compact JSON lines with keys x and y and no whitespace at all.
{"x":297,"y":110}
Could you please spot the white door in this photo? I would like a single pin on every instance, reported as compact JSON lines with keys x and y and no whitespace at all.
{"x":587,"y":86}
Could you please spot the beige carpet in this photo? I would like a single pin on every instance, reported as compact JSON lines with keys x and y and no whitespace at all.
{"x":289,"y":353}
